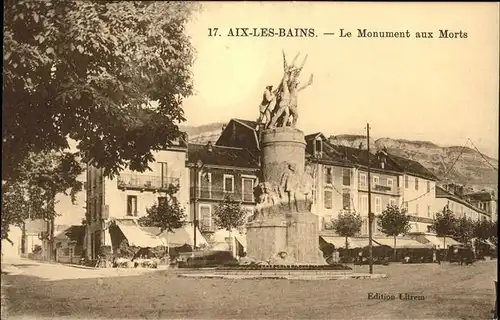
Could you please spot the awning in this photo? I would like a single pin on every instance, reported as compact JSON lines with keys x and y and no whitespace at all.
{"x":441,"y":242}
{"x":139,"y":237}
{"x":361,"y":243}
{"x":220,"y":236}
{"x":402,"y":243}
{"x":338,"y":242}
{"x":183,"y":236}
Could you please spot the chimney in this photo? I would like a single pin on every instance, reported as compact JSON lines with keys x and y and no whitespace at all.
{"x":209,"y":146}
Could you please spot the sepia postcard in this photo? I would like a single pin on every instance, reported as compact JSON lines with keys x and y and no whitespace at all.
{"x":250,"y":160}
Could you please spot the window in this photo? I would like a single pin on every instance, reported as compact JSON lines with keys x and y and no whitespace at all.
{"x":247,"y":189}
{"x":378,"y":205}
{"x":346,"y":177}
{"x":416,"y":183}
{"x":162,"y":201}
{"x":318,"y":146}
{"x":376,"y":180}
{"x":407,"y":183}
{"x":328,"y":175}
{"x":346,"y":201}
{"x":131,"y":205}
{"x":205,"y":218}
{"x":205,"y":185}
{"x":364,"y":204}
{"x":428,"y":211}
{"x":328,"y":199}
{"x":417,"y":209}
{"x":428,"y":186}
{"x":405,"y":205}
{"x":228,"y":183}
{"x":390,"y":183}
{"x":362,"y":180}
{"x":164,"y":174}
{"x":392,"y":202}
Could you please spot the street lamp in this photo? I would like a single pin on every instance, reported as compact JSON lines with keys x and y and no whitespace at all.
{"x":198,"y":167}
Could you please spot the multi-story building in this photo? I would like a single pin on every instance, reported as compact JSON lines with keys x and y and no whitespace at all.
{"x":335,"y":181}
{"x":484,"y":200}
{"x":417,"y":185}
{"x":127,"y":196}
{"x":447,"y":197}
{"x":216,"y":172}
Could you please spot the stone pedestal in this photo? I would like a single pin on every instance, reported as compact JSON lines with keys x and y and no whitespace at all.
{"x":281,"y":147}
{"x":296,"y":234}
{"x":282,"y":227}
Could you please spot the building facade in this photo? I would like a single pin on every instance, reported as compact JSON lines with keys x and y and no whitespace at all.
{"x":417,"y":191}
{"x":446,"y":197}
{"x":217,"y":172}
{"x":128,"y":195}
{"x":335,"y":180}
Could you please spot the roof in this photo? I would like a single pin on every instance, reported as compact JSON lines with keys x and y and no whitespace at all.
{"x":480,"y":196}
{"x":442,"y":193}
{"x":329,"y":154}
{"x":411,"y":167}
{"x":248,"y":123}
{"x":361,"y":156}
{"x":222,"y":156}
{"x":73,"y":233}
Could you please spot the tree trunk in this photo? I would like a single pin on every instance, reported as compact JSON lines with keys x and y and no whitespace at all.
{"x":231,"y":244}
{"x":168,"y":246}
{"x":395,"y":255}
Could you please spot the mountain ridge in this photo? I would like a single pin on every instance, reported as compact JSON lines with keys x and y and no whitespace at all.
{"x":457,"y":164}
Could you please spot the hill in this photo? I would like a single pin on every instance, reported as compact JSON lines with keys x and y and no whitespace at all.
{"x":451,"y":164}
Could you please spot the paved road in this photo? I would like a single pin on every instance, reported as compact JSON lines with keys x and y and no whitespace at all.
{"x":450,"y":292}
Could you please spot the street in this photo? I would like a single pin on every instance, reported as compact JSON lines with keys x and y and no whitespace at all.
{"x":448,"y":291}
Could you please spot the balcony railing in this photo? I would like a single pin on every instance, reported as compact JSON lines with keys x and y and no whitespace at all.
{"x":145,"y":182}
{"x":213,"y":193}
{"x":381,"y":188}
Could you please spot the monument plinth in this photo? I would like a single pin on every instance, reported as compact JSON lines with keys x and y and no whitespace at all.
{"x":284,"y":227}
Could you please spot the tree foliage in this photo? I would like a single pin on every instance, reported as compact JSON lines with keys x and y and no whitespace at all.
{"x":88,"y":70}
{"x":393,"y":221}
{"x":347,"y":224}
{"x":31,"y":195}
{"x":444,"y":223}
{"x":485,"y":229}
{"x":229,"y":214}
{"x":464,"y":230}
{"x":110,"y":75}
{"x":165,"y":215}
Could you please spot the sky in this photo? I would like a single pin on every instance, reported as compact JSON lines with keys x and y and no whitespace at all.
{"x":439,"y":90}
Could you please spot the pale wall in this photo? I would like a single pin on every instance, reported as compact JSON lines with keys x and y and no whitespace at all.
{"x":457,"y":208}
{"x":423,"y":197}
{"x":117,"y":199}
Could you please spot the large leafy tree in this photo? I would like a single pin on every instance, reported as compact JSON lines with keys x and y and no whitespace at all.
{"x":444,"y":223}
{"x":110,"y":75}
{"x":229,"y":214}
{"x":347,"y":224}
{"x":394,"y":222}
{"x":167,"y":214}
{"x":31,"y":195}
{"x":89,"y":70}
{"x":464,"y":230}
